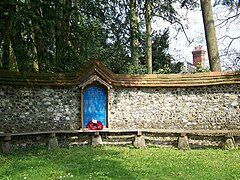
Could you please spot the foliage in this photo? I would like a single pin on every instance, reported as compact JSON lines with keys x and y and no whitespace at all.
{"x":56,"y":36}
{"x":140,"y":69}
{"x":170,"y":68}
{"x":62,"y":35}
{"x":201,"y":69}
{"x":120,"y":163}
{"x":162,"y":61}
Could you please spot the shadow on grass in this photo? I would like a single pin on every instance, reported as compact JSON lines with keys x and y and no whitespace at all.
{"x":60,"y":163}
{"x":120,"y":163}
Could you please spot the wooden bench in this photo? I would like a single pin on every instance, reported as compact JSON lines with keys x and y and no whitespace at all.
{"x":138,"y":134}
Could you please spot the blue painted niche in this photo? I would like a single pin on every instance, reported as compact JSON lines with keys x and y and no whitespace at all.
{"x":94,"y":104}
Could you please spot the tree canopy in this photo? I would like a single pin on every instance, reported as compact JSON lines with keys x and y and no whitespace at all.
{"x":62,"y":35}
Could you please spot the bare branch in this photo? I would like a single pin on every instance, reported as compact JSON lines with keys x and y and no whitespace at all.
{"x":182,"y":28}
{"x":226,"y":21}
{"x":230,"y":43}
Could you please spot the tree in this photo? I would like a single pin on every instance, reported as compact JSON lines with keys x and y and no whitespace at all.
{"x":210,"y":33}
{"x":21,"y":36}
{"x":134,"y":32}
{"x":147,"y":10}
{"x":61,"y":36}
{"x":39,"y":31}
{"x":5,"y":27}
{"x":46,"y":36}
{"x":162,"y":61}
{"x":148,"y":17}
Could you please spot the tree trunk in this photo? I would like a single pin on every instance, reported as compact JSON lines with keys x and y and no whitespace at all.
{"x":40,"y":47}
{"x":210,"y":33}
{"x":134,"y":32}
{"x":5,"y":34}
{"x":148,"y":36}
{"x":39,"y":41}
{"x":18,"y":44}
{"x":62,"y":32}
{"x":59,"y":39}
{"x":6,"y":51}
{"x":20,"y":51}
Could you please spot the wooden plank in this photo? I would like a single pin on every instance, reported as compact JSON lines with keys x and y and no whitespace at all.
{"x":133,"y":131}
{"x":121,"y":137}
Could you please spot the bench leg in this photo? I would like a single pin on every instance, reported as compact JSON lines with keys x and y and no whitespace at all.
{"x":139,"y":141}
{"x":52,"y":141}
{"x":5,"y":145}
{"x":183,"y":142}
{"x":96,"y":140}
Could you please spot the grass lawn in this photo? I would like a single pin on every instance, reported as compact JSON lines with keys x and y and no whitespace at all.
{"x":120,"y":163}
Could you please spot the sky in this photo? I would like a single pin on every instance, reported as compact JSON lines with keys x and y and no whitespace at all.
{"x":181,"y":49}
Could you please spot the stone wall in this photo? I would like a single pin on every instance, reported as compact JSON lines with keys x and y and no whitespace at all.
{"x":193,"y":110}
{"x":28,"y":109}
{"x":48,"y":102}
{"x":208,"y":107}
{"x":31,"y":109}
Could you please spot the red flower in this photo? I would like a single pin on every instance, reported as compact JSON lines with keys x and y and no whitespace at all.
{"x":95,"y":125}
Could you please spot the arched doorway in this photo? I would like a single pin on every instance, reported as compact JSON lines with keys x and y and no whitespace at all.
{"x":95,"y":103}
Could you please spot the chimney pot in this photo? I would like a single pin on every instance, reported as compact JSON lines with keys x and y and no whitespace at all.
{"x":199,"y":56}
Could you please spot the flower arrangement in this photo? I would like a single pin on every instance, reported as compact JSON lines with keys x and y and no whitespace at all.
{"x":95,"y":125}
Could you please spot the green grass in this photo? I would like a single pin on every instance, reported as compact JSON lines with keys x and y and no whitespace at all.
{"x":120,"y":163}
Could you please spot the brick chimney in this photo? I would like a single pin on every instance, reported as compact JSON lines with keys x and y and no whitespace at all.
{"x":199,"y":56}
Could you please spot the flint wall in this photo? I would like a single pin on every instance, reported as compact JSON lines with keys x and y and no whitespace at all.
{"x":49,"y":102}
{"x":207,"y":107}
{"x":28,"y":109}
